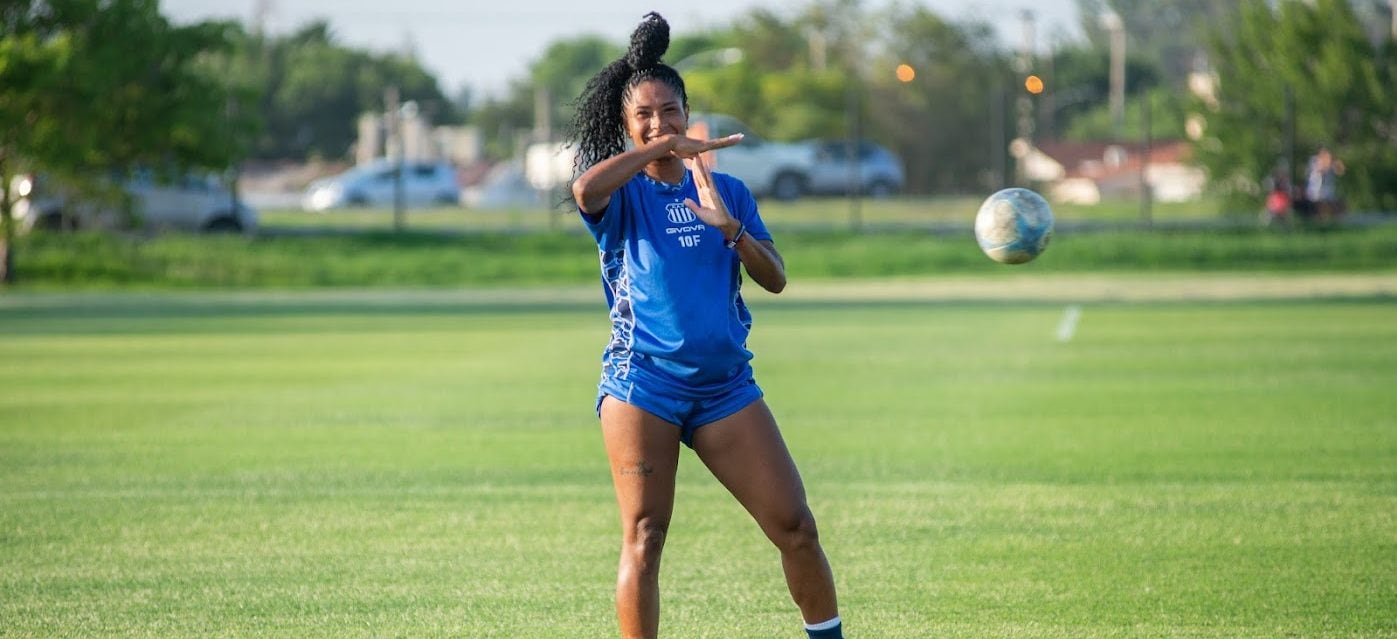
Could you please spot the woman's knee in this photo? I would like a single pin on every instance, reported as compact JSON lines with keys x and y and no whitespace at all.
{"x":645,"y":540}
{"x":794,"y":531}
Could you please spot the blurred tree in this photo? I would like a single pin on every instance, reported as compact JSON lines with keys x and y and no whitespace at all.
{"x":1377,"y":19}
{"x":1345,"y":96}
{"x":793,"y":104}
{"x":465,"y":101}
{"x":940,"y":123}
{"x":1168,"y":111}
{"x":1169,"y":33}
{"x":555,"y":80}
{"x":314,"y":90}
{"x":563,"y":69}
{"x":732,"y":85}
{"x":682,"y":47}
{"x":504,"y":120}
{"x":78,"y":101}
{"x":1078,"y":83}
{"x":792,"y":79}
{"x":799,"y":78}
{"x":31,"y":65}
{"x":316,"y":102}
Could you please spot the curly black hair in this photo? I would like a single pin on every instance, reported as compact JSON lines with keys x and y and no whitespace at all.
{"x":598,"y":124}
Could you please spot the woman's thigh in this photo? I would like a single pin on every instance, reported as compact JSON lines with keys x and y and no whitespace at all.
{"x":644,"y":454}
{"x":747,"y":454}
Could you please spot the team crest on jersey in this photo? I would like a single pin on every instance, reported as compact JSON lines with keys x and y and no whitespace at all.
{"x":679,"y":214}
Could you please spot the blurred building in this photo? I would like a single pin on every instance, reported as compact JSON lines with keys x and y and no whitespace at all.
{"x":421,"y":142}
{"x":1089,"y":172}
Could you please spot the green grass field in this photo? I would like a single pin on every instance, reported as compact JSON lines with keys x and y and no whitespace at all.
{"x":88,"y":261}
{"x":428,"y":465}
{"x":830,"y":213}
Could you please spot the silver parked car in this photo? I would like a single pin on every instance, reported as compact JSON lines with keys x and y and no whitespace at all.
{"x":186,"y":203}
{"x":374,"y":184}
{"x":879,"y":171}
{"x":770,"y":169}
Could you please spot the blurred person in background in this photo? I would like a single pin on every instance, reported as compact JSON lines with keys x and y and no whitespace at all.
{"x":1322,"y":185}
{"x":1278,"y":198}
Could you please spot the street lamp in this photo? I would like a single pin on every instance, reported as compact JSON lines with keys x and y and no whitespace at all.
{"x":1024,"y":65}
{"x":398,"y":112}
{"x":1113,"y":24}
{"x":710,"y":58}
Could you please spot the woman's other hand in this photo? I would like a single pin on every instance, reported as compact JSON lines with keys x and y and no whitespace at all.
{"x":710,"y":207}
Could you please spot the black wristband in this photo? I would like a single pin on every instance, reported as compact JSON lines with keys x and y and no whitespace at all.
{"x":741,"y":230}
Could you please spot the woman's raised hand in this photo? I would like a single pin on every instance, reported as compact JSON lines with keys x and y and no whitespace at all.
{"x":710,"y":207}
{"x":686,"y":147}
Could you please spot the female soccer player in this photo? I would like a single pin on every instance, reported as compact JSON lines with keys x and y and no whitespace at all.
{"x":672,"y":244}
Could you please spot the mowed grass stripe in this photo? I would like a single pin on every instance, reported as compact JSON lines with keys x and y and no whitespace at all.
{"x":1176,"y":470}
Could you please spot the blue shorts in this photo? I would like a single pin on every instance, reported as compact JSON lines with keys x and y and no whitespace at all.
{"x":688,"y":415}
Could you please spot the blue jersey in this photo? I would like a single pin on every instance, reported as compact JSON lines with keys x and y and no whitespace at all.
{"x":678,"y":322}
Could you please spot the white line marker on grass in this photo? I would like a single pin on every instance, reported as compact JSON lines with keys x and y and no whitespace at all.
{"x":1068,"y":326}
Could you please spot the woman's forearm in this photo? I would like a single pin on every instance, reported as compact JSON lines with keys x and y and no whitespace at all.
{"x":592,"y":190}
{"x":764,"y":265}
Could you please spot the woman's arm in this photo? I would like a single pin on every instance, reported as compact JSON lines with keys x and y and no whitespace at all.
{"x":764,"y":265}
{"x":592,"y":190}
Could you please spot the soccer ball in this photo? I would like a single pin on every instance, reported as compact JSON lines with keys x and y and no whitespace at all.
{"x":1014,"y":226}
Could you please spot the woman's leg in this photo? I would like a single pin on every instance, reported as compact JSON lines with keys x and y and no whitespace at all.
{"x":746,"y":453}
{"x":644,"y":453}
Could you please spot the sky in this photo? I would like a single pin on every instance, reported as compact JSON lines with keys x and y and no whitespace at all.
{"x":484,"y":44}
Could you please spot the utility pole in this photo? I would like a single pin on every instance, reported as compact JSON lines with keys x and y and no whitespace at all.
{"x":1290,"y":163}
{"x":851,"y":149}
{"x":543,"y":134}
{"x":853,"y":123}
{"x":998,"y":145}
{"x":261,"y":10}
{"x":395,"y":138}
{"x":1024,"y":104}
{"x":1047,"y":105}
{"x":543,"y":114}
{"x":1113,"y":24}
{"x":7,"y":224}
{"x":819,"y":48}
{"x":1146,"y":192}
{"x":1029,"y":47}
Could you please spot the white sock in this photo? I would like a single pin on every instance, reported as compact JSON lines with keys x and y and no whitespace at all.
{"x":823,"y":625}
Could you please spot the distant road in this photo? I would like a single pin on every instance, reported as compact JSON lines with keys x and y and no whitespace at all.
{"x":535,"y":224}
{"x":265,"y":200}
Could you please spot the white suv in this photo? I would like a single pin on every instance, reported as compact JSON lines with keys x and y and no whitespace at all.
{"x":188,"y":203}
{"x":375,"y":184}
{"x":774,"y":169}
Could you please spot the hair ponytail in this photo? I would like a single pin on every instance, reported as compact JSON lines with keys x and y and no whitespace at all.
{"x":649,"y":42}
{"x":599,"y":127}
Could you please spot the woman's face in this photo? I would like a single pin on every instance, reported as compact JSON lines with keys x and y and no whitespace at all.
{"x":652,"y":109}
